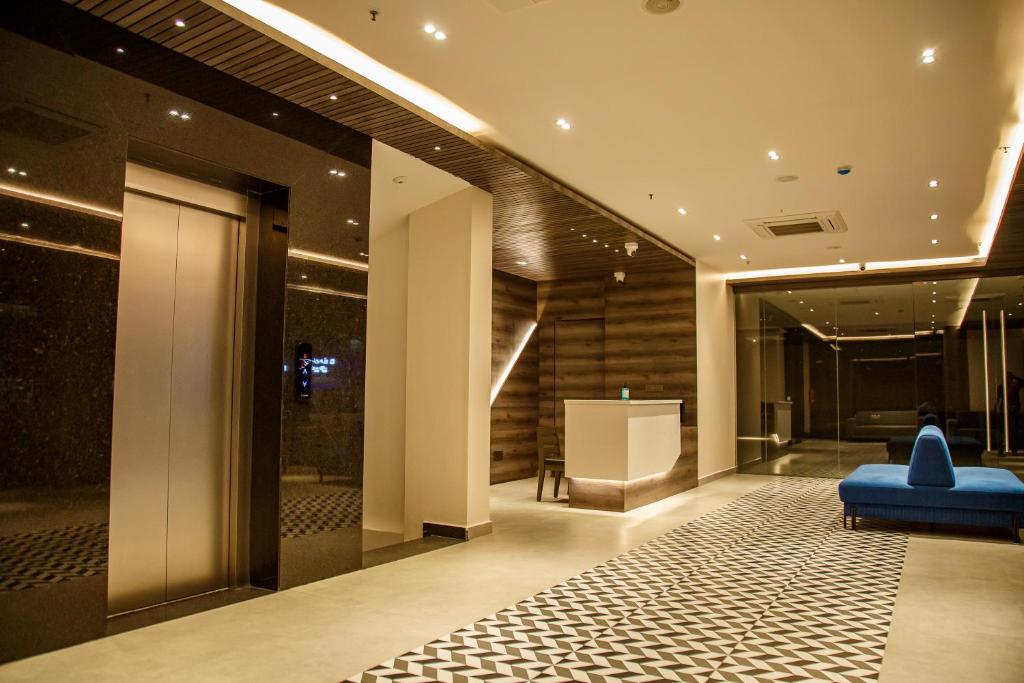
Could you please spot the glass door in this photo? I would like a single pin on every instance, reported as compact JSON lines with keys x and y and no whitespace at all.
{"x":830,"y":379}
{"x":786,"y":383}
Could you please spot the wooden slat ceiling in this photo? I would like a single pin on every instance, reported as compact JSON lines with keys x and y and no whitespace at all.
{"x":536,"y":219}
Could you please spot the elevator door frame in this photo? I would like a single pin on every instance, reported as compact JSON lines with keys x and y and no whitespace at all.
{"x":148,"y":182}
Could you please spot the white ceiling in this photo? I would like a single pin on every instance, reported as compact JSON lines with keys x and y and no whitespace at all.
{"x":391,"y":202}
{"x":686,"y":107}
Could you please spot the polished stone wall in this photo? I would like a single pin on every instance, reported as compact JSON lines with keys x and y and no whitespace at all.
{"x":66,"y":126}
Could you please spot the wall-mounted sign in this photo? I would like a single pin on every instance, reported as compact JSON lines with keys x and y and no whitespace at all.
{"x":321,"y":366}
{"x":303,"y":371}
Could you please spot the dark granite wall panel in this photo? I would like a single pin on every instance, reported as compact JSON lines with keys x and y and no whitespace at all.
{"x":67,"y":122}
{"x":322,"y":440}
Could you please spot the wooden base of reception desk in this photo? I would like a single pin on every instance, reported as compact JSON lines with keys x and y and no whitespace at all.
{"x":622,"y":496}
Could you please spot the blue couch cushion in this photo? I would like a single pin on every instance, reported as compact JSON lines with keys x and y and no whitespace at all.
{"x":930,"y":462}
{"x":977,"y":488}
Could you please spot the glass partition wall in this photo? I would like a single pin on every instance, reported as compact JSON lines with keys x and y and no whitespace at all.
{"x":832,"y":378}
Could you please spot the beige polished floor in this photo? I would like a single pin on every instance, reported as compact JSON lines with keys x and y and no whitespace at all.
{"x":959,"y":613}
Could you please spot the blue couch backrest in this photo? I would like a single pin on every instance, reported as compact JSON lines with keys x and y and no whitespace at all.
{"x":930,"y":462}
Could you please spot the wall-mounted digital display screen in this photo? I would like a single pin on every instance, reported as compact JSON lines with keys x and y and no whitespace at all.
{"x":304,"y":369}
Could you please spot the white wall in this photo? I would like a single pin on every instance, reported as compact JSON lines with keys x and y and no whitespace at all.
{"x":716,"y":374}
{"x":448,"y":363}
{"x":384,"y":432}
{"x":387,"y":311}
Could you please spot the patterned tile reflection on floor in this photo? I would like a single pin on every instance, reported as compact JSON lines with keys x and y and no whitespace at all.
{"x":305,"y":515}
{"x":39,"y":558}
{"x":770,"y":587}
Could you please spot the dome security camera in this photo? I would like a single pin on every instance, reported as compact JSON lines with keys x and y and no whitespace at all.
{"x":631,"y":248}
{"x":620,"y":276}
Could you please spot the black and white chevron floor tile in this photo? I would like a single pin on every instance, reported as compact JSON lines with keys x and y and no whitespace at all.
{"x":767,"y":588}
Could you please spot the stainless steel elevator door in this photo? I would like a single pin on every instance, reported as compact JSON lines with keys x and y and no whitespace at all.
{"x":170,"y":467}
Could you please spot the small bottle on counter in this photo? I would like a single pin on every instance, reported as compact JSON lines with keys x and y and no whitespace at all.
{"x":624,"y":393}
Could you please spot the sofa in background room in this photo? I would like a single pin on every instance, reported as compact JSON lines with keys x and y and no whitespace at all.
{"x":881,"y":425}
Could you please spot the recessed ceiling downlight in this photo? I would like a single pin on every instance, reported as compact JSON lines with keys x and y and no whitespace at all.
{"x":661,"y":6}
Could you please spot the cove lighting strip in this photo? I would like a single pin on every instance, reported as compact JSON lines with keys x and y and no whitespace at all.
{"x":281,"y":21}
{"x":965,"y":301}
{"x":925,"y":262}
{"x":59,"y":202}
{"x":783,"y":272}
{"x":47,"y":244}
{"x":328,"y":260}
{"x":496,"y":389}
{"x":324,"y":290}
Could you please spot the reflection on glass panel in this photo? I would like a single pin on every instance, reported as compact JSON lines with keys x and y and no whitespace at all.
{"x":877,"y":364}
{"x":985,"y":356}
{"x":833,"y":378}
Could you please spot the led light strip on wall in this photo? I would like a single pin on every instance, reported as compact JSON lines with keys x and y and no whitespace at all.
{"x":330,"y":292}
{"x":507,"y":370}
{"x":47,"y":244}
{"x":59,"y":202}
{"x":328,"y":260}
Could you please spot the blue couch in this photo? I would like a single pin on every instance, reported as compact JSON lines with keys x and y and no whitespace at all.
{"x":930,"y":489}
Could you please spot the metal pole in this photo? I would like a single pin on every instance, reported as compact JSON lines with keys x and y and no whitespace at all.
{"x":984,"y":348}
{"x":1006,"y":398}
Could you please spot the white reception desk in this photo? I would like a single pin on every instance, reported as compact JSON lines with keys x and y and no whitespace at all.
{"x":615,"y":450}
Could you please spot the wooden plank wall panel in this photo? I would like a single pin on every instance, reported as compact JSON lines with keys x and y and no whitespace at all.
{"x":651,"y":337}
{"x":647,"y":333}
{"x":578,"y":364}
{"x":561,"y":300}
{"x":514,"y":413}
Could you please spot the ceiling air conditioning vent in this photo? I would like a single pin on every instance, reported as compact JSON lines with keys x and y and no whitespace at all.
{"x":797,"y":224}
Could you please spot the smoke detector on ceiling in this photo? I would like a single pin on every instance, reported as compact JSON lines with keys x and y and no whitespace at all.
{"x":661,"y":6}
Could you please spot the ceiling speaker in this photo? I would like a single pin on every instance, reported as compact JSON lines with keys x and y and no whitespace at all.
{"x":661,"y":6}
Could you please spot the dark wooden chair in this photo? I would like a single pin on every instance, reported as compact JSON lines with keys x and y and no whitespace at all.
{"x":549,"y":458}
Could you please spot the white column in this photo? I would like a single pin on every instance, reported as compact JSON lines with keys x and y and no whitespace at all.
{"x":716,"y":374}
{"x":448,"y":364}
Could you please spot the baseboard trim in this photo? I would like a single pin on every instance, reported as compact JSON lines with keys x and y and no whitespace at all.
{"x":708,"y":478}
{"x":463,"y":533}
